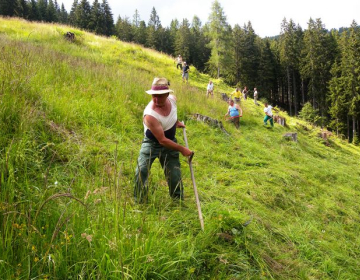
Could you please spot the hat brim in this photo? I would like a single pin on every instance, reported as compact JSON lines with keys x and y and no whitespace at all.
{"x":158,"y":91}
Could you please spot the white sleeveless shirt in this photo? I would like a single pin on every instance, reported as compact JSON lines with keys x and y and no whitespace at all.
{"x":167,"y":122}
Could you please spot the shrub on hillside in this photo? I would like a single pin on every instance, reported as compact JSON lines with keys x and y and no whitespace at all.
{"x":308,"y":113}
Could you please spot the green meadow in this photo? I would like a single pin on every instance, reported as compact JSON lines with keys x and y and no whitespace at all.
{"x":70,"y":133}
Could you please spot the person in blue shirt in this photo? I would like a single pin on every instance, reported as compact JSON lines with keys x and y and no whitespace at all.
{"x":234,"y":112}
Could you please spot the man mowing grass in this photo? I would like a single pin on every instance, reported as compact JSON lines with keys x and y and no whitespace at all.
{"x":160,"y":123}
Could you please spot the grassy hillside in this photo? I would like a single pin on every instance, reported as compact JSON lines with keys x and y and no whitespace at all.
{"x":71,"y":130}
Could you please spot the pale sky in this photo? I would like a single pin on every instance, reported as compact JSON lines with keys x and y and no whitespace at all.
{"x":265,"y":15}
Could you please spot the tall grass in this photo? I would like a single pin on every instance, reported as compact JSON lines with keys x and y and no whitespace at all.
{"x":71,"y":129}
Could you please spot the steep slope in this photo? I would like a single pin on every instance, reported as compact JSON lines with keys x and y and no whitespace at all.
{"x":71,"y":129}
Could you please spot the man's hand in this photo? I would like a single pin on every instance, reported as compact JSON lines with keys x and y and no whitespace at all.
{"x":186,"y":152}
{"x":180,"y":124}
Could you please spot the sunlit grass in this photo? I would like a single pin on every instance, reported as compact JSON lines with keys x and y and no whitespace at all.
{"x":71,"y":129}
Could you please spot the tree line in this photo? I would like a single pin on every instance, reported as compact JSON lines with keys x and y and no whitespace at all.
{"x":312,"y":73}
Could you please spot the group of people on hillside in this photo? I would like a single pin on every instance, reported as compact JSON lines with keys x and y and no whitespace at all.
{"x":234,"y":112}
{"x":184,"y":67}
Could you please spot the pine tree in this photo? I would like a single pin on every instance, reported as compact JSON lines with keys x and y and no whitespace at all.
{"x":152,"y":30}
{"x":218,"y":33}
{"x":183,"y":41}
{"x":82,"y":14}
{"x":51,"y":12}
{"x":238,"y":35}
{"x":108,"y":18}
{"x":34,"y":11}
{"x":58,"y":11}
{"x":316,"y":61}
{"x":42,"y":6}
{"x":345,"y":84}
{"x":199,"y":53}
{"x":266,"y":83}
{"x":136,"y":19}
{"x":136,"y":22}
{"x":290,"y":39}
{"x":63,"y":18}
{"x":7,"y":7}
{"x":21,"y":9}
{"x":97,"y":19}
{"x":72,"y":15}
{"x":141,"y":34}
{"x":123,"y":29}
{"x":174,"y":27}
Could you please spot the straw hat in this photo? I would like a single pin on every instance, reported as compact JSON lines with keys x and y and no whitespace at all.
{"x":159,"y":86}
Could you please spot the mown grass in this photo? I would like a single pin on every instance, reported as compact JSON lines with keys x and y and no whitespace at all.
{"x":71,"y":128}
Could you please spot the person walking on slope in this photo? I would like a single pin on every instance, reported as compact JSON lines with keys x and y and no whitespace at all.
{"x":160,"y":123}
{"x":236,"y":94}
{"x":179,"y":62}
{"x":210,"y":89}
{"x":185,"y":72}
{"x":235,"y":112}
{"x":245,"y":93}
{"x":268,"y":115}
{"x":255,"y":96}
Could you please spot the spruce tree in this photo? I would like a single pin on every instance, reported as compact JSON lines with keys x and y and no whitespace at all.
{"x":42,"y":6}
{"x":266,"y":83}
{"x":199,"y":53}
{"x":33,"y":11}
{"x":82,"y":14}
{"x":152,"y":30}
{"x":183,"y":41}
{"x":97,"y":18}
{"x":7,"y":7}
{"x":174,"y":27}
{"x":290,"y":39}
{"x":21,"y":9}
{"x":123,"y":29}
{"x":51,"y":12}
{"x":63,"y":18}
{"x":316,"y":61}
{"x":219,"y":36}
{"x":72,"y":16}
{"x":108,"y":18}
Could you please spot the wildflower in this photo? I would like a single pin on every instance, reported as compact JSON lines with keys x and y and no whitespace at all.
{"x":33,"y":248}
{"x":36,"y":259}
{"x":191,"y":269}
{"x":89,"y":238}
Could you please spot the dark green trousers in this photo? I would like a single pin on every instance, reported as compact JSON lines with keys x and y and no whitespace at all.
{"x":169,"y":160}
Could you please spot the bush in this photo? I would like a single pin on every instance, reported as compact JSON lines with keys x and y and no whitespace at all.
{"x":308,"y":113}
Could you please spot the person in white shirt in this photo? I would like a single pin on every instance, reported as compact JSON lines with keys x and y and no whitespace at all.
{"x":160,"y":123}
{"x":255,"y":96}
{"x":268,"y":115}
{"x":210,"y":89}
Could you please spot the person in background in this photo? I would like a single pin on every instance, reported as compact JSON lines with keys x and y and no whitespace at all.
{"x":268,"y":114}
{"x":236,"y":94}
{"x":160,"y":123}
{"x":245,"y":93}
{"x":234,"y":112}
{"x":255,"y":96}
{"x":185,"y":72}
{"x":179,"y":62}
{"x":210,"y":89}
